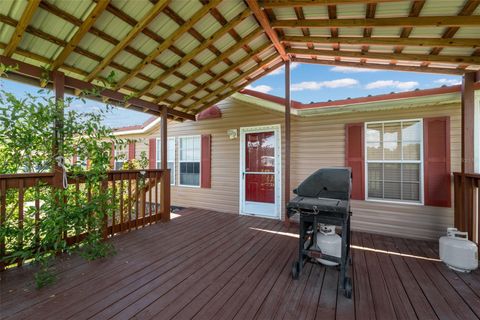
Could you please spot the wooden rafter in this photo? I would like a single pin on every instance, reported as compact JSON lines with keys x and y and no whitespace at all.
{"x":72,"y":19}
{"x":80,"y":33}
{"x":197,"y":35}
{"x":467,"y":10}
{"x":232,"y":82}
{"x":31,"y":71}
{"x":389,"y":56}
{"x":21,"y":26}
{"x":414,"y":12}
{"x":441,"y":21}
{"x":306,"y":3}
{"x":239,"y":63}
{"x":213,"y":63}
{"x":388,"y":41}
{"x":169,"y":41}
{"x":265,"y":23}
{"x":188,"y":57}
{"x":241,"y":86}
{"x":142,"y":24}
{"x":378,"y":66}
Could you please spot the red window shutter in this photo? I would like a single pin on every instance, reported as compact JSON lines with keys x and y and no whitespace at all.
{"x":436,"y":144}
{"x":131,"y":151}
{"x":206,"y":164}
{"x":355,"y":158}
{"x":152,"y":153}
{"x":112,"y":157}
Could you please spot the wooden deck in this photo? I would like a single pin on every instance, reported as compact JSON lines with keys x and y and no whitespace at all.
{"x":208,"y":265}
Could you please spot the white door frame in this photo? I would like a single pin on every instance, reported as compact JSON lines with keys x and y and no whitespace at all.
{"x":276,"y":128}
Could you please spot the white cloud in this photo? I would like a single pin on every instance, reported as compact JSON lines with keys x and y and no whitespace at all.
{"x":448,"y":82}
{"x":260,"y":88}
{"x":351,"y":70}
{"x":316,"y":85}
{"x":281,"y":70}
{"x":399,"y":85}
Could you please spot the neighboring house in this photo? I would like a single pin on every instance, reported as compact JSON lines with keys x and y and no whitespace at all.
{"x":402,"y":148}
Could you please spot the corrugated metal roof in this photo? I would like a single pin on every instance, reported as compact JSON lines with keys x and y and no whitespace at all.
{"x":55,"y":22}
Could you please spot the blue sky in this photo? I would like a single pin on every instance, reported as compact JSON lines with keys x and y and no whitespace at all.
{"x":309,"y":83}
{"x":322,"y":83}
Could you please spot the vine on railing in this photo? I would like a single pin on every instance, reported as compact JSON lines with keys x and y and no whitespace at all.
{"x":38,"y":217}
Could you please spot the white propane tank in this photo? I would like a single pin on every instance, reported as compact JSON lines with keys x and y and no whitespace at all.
{"x":457,"y":252}
{"x":329,"y":243}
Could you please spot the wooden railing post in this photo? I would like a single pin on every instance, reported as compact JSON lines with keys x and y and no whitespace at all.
{"x":165,"y":196}
{"x":104,"y":190}
{"x":3,"y":208}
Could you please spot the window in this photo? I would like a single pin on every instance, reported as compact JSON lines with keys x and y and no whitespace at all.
{"x":170,"y":155}
{"x":394,"y":160}
{"x":120,"y":156}
{"x":189,"y":160}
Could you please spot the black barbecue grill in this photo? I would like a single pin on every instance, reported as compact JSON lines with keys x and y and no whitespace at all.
{"x":323,"y":198}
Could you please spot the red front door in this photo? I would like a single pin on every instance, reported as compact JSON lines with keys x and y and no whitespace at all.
{"x":260,"y":167}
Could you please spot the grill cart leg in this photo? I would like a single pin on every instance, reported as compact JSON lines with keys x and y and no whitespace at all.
{"x":298,"y":265}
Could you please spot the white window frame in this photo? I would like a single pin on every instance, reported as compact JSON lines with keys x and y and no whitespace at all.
{"x":180,"y":161}
{"x":421,"y":180}
{"x":116,"y":153}
{"x":158,"y":160}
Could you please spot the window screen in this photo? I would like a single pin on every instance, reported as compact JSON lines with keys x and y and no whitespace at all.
{"x":189,"y":160}
{"x":394,"y":160}
{"x":170,"y":157}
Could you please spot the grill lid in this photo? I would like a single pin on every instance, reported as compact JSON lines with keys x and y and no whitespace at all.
{"x":333,"y":183}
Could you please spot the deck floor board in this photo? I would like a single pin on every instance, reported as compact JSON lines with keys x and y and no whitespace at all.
{"x":210,"y":265}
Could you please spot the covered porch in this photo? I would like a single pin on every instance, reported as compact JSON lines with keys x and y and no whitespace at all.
{"x":210,"y":265}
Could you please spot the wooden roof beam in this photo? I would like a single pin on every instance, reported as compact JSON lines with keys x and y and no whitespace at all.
{"x":23,"y":23}
{"x":377,"y":66}
{"x":80,"y":33}
{"x":421,"y":42}
{"x":213,"y":63}
{"x":169,"y":41}
{"x":389,"y":56}
{"x":265,"y":23}
{"x":189,"y":56}
{"x":239,"y":77}
{"x":241,"y":86}
{"x":31,"y":71}
{"x":142,"y":24}
{"x":307,"y":3}
{"x":441,"y":21}
{"x":239,"y":63}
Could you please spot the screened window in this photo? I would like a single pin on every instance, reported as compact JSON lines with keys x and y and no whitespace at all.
{"x":170,"y":157}
{"x":120,"y":156}
{"x":394,"y":160}
{"x":189,"y":161}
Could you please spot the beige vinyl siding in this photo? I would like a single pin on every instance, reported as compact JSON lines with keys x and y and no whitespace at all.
{"x":317,"y":141}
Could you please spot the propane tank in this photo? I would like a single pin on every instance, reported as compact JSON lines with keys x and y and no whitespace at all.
{"x":330,"y":243}
{"x":457,"y":252}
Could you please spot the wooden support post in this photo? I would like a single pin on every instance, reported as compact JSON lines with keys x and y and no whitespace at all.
{"x":288,"y":105}
{"x":59,"y":90}
{"x":468,"y":122}
{"x":463,"y":218}
{"x":165,"y":186}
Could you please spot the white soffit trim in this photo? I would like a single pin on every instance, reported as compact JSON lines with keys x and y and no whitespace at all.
{"x":261,"y":103}
{"x":403,"y":103}
{"x":138,"y":131}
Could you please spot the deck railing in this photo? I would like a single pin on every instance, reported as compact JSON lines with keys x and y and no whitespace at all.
{"x":467,"y":204}
{"x":136,"y":198}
